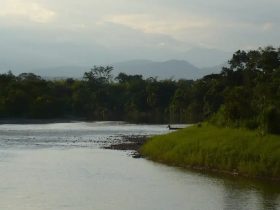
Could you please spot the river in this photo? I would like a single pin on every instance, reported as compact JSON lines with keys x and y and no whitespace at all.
{"x":63,"y":166}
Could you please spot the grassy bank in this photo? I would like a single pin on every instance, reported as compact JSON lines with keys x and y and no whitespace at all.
{"x":236,"y":151}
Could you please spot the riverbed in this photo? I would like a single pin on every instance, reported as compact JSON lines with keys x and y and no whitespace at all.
{"x":64,"y":166}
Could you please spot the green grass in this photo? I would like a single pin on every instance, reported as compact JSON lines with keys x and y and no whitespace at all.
{"x":225,"y":149}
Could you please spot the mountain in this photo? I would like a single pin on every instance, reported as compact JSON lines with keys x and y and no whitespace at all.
{"x":62,"y":71}
{"x":203,"y":57}
{"x":213,"y":69}
{"x":176,"y":69}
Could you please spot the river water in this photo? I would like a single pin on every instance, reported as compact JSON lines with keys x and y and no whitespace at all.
{"x":63,"y":166}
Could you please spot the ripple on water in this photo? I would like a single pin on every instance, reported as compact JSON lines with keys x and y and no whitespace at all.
{"x":61,"y":166}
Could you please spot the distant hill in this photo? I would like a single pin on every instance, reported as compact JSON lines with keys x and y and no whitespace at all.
{"x":203,"y":57}
{"x":62,"y":71}
{"x":176,"y":69}
{"x":168,"y":69}
{"x":213,"y":69}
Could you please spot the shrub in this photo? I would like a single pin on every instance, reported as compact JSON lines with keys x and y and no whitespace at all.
{"x":272,"y":120}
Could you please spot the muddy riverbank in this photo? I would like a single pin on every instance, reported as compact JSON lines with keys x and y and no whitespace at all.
{"x":129,"y":143}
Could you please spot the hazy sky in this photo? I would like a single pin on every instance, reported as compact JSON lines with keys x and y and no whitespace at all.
{"x":71,"y":32}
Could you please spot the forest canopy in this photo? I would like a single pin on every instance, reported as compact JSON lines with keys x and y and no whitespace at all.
{"x":246,"y":93}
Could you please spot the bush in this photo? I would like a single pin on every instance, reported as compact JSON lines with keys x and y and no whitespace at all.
{"x":218,"y":118}
{"x":272,"y":120}
{"x":224,"y":149}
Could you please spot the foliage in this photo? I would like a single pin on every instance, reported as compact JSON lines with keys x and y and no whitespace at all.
{"x":245,"y":94}
{"x":225,"y":149}
{"x":99,"y":75}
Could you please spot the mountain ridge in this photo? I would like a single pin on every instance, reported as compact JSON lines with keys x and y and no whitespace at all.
{"x":173,"y":68}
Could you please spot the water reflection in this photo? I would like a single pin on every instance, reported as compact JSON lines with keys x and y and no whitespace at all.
{"x":269,"y":201}
{"x":244,"y":194}
{"x":78,"y":134}
{"x":60,"y":166}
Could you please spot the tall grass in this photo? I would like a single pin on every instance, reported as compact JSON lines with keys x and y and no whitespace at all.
{"x":226,"y":149}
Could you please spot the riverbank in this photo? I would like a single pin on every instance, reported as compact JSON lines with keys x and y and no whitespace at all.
{"x":235,"y":151}
{"x":131,"y":143}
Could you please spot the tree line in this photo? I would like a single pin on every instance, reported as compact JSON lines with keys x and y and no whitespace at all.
{"x":246,"y":93}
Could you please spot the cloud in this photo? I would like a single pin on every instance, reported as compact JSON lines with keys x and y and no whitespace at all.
{"x":267,"y":26}
{"x":169,"y":25}
{"x":91,"y":30}
{"x":31,"y":10}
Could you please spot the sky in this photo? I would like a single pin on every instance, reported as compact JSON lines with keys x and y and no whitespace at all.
{"x":42,"y":33}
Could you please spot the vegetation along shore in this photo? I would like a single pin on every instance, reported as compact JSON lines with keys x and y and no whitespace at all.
{"x":243,"y":101}
{"x":246,"y":93}
{"x":237,"y":151}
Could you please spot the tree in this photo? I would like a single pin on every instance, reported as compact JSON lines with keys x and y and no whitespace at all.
{"x":99,"y":75}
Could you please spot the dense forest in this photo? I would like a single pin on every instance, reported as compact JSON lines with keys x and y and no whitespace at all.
{"x":246,"y":93}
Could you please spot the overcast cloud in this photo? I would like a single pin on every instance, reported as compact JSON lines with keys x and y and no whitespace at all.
{"x":38,"y":33}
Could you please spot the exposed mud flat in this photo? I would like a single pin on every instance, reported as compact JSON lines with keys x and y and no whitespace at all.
{"x":130,"y":143}
{"x":64,"y":166}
